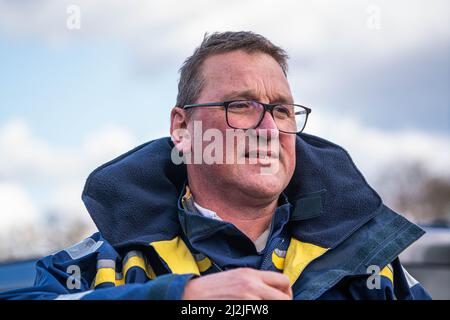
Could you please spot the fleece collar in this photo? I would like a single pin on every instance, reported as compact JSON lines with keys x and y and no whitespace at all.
{"x":133,"y":198}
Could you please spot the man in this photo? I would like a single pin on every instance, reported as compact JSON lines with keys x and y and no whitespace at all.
{"x":289,"y":217}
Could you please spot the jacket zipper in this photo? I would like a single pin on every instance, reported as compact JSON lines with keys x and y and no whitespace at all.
{"x":269,"y":253}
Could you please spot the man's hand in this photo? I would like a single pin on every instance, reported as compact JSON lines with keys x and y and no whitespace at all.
{"x":239,"y":284}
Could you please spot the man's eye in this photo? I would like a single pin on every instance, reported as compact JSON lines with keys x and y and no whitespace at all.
{"x":283,"y":111}
{"x":239,"y":105}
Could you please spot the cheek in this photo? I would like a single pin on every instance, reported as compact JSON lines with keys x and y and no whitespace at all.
{"x":204,"y":127}
{"x":211,"y":119}
{"x":287,"y":145}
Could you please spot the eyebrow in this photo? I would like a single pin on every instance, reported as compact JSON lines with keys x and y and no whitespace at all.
{"x":250,"y":95}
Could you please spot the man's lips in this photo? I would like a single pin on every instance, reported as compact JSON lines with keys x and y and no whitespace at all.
{"x":261,"y":154}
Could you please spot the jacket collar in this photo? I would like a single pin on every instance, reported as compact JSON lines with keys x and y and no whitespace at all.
{"x":221,"y":241}
{"x":133,"y":198}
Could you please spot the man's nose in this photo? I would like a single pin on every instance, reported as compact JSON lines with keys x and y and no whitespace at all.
{"x":268,"y":125}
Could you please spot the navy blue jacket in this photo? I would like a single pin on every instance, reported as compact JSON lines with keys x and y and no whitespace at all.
{"x":331,"y":234}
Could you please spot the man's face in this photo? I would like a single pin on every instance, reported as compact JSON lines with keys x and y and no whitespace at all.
{"x":239,"y":75}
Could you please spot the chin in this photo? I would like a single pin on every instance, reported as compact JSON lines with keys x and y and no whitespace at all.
{"x":263,"y":186}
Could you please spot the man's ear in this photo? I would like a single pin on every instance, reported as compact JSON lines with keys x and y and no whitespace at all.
{"x":178,"y":130}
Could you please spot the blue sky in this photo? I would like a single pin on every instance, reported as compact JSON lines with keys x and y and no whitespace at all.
{"x":71,"y":100}
{"x":56,"y":92}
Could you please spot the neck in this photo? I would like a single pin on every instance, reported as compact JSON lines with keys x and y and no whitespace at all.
{"x":250,"y":216}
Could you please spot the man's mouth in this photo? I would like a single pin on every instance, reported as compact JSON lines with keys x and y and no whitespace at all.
{"x":262,"y":156}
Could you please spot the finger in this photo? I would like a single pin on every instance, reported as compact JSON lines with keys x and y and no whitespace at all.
{"x":275,"y":279}
{"x":266,"y":292}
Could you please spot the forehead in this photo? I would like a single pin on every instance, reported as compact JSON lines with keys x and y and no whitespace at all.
{"x":238,"y":71}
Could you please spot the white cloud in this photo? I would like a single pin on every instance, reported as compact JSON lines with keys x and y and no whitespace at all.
{"x":26,"y":158}
{"x":37,"y":179}
{"x":17,"y":206}
{"x":107,"y":142}
{"x":374,"y":150}
{"x":172,"y":28}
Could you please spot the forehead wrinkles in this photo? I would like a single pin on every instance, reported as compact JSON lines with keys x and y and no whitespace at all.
{"x":264,"y":78}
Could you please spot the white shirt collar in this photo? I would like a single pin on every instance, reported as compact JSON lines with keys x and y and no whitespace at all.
{"x":260,"y":242}
{"x":207,"y":213}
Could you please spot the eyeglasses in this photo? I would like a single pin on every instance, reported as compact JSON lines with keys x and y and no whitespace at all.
{"x":248,"y":114}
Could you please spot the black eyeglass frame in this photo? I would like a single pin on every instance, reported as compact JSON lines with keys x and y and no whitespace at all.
{"x":267,"y":107}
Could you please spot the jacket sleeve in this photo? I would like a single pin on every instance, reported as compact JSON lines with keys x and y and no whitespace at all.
{"x":53,"y":281}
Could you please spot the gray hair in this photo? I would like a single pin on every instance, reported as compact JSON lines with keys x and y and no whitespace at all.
{"x":191,"y":80}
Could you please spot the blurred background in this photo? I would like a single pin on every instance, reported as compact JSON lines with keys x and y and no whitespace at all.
{"x":83,"y":81}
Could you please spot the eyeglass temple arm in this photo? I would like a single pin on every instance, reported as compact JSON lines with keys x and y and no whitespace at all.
{"x":210,"y":104}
